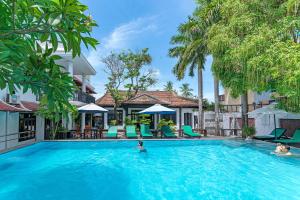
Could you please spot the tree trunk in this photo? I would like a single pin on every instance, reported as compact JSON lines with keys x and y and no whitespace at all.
{"x":244,"y":104}
{"x":200,"y":99}
{"x":217,"y":107}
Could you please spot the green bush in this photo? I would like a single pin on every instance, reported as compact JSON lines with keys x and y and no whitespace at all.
{"x":248,"y":131}
{"x":128,"y":121}
{"x":144,"y":119}
{"x":164,"y":122}
{"x":113,"y":122}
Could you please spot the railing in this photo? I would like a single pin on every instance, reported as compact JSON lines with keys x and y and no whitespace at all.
{"x":238,"y":108}
{"x":20,"y":137}
{"x":83,"y":97}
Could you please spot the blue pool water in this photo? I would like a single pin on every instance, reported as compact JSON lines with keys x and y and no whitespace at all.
{"x":170,"y":170}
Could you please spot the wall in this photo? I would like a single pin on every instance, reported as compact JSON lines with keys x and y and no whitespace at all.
{"x":264,"y":123}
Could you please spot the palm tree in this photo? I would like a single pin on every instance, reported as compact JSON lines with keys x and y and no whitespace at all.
{"x":217,"y":107}
{"x":191,"y":50}
{"x":186,"y":91}
{"x":169,"y":87}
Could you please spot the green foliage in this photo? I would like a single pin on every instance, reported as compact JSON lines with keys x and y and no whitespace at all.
{"x":129,"y":121}
{"x":164,"y":122}
{"x":169,"y":87}
{"x":134,"y":63}
{"x":248,"y":131}
{"x":55,"y":114}
{"x":186,"y":91}
{"x":255,"y":46}
{"x":208,"y":106}
{"x":144,"y":119}
{"x":113,"y":122}
{"x":30,"y":32}
{"x":126,"y":68}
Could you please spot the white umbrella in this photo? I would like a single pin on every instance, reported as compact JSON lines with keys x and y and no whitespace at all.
{"x":91,"y":108}
{"x":157,"y":109}
{"x":269,"y":110}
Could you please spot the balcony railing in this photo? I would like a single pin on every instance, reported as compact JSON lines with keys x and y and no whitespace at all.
{"x":238,"y":108}
{"x":83,"y":97}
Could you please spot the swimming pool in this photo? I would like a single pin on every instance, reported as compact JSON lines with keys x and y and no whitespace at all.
{"x":169,"y":170}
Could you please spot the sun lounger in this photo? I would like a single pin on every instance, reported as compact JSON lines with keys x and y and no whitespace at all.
{"x":112,"y":132}
{"x":145,"y":131}
{"x":279,"y":133}
{"x":188,"y":131}
{"x":294,"y":139}
{"x":131,"y":132}
{"x":167,"y":132}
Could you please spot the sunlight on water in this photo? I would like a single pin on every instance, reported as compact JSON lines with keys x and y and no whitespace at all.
{"x":170,"y":170}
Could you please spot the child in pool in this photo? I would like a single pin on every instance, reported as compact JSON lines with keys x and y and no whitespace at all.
{"x":141,"y":146}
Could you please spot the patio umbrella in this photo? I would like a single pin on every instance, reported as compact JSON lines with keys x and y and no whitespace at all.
{"x":269,"y":110}
{"x":157,"y":109}
{"x":91,"y":109}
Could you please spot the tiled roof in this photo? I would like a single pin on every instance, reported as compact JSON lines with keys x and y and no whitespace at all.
{"x":7,"y":107}
{"x":150,"y":98}
{"x":31,"y":106}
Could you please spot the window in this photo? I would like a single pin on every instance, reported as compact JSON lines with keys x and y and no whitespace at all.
{"x":27,"y":126}
{"x":111,"y":116}
{"x":169,"y":117}
{"x":188,"y":119}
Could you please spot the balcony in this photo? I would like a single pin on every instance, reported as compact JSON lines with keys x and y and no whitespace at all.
{"x":83,"y":97}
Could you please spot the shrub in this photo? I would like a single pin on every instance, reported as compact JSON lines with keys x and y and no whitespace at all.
{"x":248,"y":131}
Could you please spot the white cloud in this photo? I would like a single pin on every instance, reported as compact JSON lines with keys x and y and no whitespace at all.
{"x":126,"y":33}
{"x":122,"y":37}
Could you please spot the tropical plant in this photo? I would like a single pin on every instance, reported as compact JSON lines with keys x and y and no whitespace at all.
{"x":164,"y":122}
{"x":55,"y":116}
{"x":186,"y":91}
{"x":191,"y":52}
{"x":248,"y":131}
{"x":30,"y":32}
{"x":115,"y":69}
{"x":145,"y":119}
{"x":113,"y":122}
{"x":134,"y":63}
{"x":129,"y":121}
{"x":169,"y":87}
{"x":217,"y":105}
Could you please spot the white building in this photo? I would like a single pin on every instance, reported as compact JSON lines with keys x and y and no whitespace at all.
{"x":18,"y":122}
{"x":184,"y":107}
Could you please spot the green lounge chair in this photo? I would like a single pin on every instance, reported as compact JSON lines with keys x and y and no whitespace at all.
{"x":130,"y":132}
{"x":187,"y":130}
{"x":112,"y":132}
{"x":279,"y":133}
{"x":294,"y":139}
{"x":167,"y":132}
{"x":145,"y":131}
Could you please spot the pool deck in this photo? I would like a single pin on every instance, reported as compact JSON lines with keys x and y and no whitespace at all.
{"x":150,"y":139}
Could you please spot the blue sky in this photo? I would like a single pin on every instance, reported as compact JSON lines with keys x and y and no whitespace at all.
{"x":137,"y":24}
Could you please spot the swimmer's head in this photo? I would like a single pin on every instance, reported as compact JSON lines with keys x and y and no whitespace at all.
{"x":287,"y":147}
{"x":141,"y":143}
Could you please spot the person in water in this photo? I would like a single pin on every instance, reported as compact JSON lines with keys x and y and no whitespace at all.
{"x":283,"y":149}
{"x":141,"y":146}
